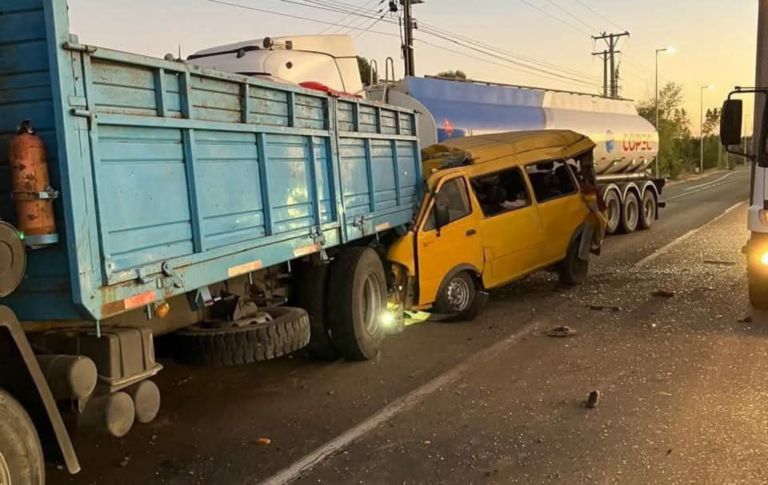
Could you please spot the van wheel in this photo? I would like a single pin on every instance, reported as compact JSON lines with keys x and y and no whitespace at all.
{"x":573,"y":270}
{"x":648,"y":210}
{"x":461,"y":297}
{"x":309,"y":291}
{"x":630,"y":213}
{"x":21,"y":456}
{"x":357,"y":300}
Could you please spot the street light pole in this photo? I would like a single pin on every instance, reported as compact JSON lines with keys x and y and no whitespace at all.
{"x":671,"y":50}
{"x":701,"y":127}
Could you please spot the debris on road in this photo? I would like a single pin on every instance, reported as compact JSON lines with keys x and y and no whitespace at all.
{"x":663,"y":294}
{"x":719,"y":263}
{"x":600,"y":308}
{"x":125,"y":461}
{"x":593,"y":399}
{"x":562,"y":332}
{"x":747,"y":319}
{"x":263,"y":442}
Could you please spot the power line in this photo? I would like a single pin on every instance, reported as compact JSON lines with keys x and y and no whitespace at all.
{"x":536,"y":71}
{"x":599,"y":14}
{"x":344,"y":18}
{"x":371,"y":26}
{"x":511,"y":61}
{"x":508,"y":53}
{"x":570,"y":14}
{"x":567,"y":24}
{"x":297,"y":17}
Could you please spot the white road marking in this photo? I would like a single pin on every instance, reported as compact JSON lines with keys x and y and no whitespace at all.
{"x":710,"y":182}
{"x":665,"y":249}
{"x":309,"y":462}
{"x":700,"y":188}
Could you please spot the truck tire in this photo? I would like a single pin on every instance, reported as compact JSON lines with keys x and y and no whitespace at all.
{"x":630,"y":213}
{"x":21,"y":455}
{"x":309,"y":291}
{"x":613,"y":209}
{"x":758,"y":294}
{"x":286,"y":333}
{"x":459,"y":296}
{"x":358,"y":297}
{"x":573,"y":270}
{"x":647,"y":210}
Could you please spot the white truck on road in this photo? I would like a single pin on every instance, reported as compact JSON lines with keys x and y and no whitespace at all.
{"x":731,"y":136}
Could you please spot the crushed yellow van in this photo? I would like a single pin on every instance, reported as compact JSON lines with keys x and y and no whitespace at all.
{"x":497,"y":208}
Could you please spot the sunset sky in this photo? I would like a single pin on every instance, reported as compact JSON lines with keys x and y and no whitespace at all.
{"x":715,"y":39}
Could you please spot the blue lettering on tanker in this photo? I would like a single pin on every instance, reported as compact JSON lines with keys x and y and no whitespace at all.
{"x":610,"y":141}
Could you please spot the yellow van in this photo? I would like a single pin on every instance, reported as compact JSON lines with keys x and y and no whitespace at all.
{"x":497,"y":208}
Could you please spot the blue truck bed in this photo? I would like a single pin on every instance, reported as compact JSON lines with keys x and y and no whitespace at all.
{"x":174,"y":177}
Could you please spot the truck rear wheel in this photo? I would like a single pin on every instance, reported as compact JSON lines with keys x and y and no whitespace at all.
{"x":647,"y":210}
{"x":630,"y":213}
{"x":613,"y":208}
{"x":309,"y":291}
{"x":243,"y":342}
{"x":357,"y":300}
{"x":21,"y":456}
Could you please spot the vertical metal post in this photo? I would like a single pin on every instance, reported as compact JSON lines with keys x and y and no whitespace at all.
{"x":410,"y":64}
{"x":658,"y":154}
{"x":701,"y":127}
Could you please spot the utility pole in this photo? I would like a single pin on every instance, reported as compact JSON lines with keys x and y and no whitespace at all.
{"x":612,"y":41}
{"x":604,"y":56}
{"x":410,"y":63}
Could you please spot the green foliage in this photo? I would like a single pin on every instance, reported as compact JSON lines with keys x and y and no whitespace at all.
{"x":365,"y":71}
{"x":453,"y":74}
{"x":679,"y":150}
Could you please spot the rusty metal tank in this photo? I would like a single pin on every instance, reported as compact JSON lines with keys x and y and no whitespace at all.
{"x":32,"y":191}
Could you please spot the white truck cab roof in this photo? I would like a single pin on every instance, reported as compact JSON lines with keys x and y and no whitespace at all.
{"x":326,"y":59}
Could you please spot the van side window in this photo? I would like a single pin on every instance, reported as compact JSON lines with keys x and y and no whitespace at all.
{"x":551,"y":180}
{"x":501,"y":192}
{"x":453,"y":194}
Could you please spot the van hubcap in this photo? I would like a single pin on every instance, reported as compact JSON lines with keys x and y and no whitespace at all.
{"x":5,"y":472}
{"x":458,"y":294}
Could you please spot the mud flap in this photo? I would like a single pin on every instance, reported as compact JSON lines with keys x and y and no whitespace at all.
{"x":36,"y":396}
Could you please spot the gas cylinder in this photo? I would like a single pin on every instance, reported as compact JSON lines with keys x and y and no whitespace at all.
{"x":32,"y":192}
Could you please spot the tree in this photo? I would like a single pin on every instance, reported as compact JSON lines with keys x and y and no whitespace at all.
{"x":712,"y":122}
{"x":453,"y":75}
{"x":677,"y":150}
{"x":365,"y":71}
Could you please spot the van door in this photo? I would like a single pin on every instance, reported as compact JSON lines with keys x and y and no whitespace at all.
{"x":561,"y":205}
{"x":458,"y":243}
{"x":513,"y":235}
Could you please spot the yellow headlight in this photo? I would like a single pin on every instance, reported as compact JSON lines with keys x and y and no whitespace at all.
{"x":764,"y":259}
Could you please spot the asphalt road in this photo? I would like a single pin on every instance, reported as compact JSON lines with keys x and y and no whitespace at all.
{"x":683,"y":383}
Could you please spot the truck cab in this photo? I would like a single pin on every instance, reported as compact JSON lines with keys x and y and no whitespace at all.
{"x":499,"y":207}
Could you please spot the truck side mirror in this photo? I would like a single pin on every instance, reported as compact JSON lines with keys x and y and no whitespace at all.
{"x":442,"y":215}
{"x":731,"y":122}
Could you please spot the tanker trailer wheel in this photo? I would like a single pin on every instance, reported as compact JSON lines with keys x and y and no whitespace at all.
{"x":630,"y":213}
{"x":21,"y":455}
{"x":310,"y":292}
{"x":647,"y":210}
{"x":269,"y":334}
{"x":613,"y":209}
{"x":357,"y":301}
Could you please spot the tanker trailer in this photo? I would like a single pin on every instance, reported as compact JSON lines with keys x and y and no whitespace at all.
{"x":627,"y":144}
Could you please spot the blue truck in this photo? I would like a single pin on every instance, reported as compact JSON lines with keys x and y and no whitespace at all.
{"x":245,"y":218}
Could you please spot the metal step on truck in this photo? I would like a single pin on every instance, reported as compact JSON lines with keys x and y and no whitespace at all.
{"x":141,"y":197}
